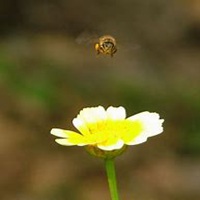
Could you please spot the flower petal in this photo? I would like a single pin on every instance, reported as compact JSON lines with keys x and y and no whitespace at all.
{"x":69,"y":137}
{"x":66,"y":142}
{"x":91,"y":115}
{"x":117,"y":145}
{"x":151,"y":123}
{"x":81,"y":126}
{"x":61,"y":133}
{"x":130,"y":130}
{"x":116,"y":113}
{"x":138,"y":140}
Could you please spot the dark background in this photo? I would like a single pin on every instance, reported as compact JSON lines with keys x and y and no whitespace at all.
{"x":49,"y":72}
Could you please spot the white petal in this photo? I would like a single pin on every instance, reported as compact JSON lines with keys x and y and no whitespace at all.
{"x":118,"y":145}
{"x":81,"y":126}
{"x":65,"y":142}
{"x":152,"y":124}
{"x":116,"y":112}
{"x":100,"y":113}
{"x":138,"y":140}
{"x":58,"y":132}
{"x":93,"y":114}
{"x":139,"y":115}
{"x":77,"y":122}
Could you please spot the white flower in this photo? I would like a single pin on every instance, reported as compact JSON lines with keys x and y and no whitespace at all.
{"x":110,"y":129}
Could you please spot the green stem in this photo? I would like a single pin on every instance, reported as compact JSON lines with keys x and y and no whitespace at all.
{"x":110,"y":170}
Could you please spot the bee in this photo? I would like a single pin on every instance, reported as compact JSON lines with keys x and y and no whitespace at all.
{"x":106,"y":45}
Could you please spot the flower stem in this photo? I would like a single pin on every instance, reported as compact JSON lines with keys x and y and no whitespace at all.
{"x":110,"y":170}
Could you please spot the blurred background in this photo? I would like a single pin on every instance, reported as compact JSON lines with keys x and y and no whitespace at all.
{"x":49,"y":71}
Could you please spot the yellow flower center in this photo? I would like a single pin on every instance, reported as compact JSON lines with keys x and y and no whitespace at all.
{"x":108,"y":132}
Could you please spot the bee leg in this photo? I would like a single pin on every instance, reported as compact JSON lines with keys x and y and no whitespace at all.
{"x":97,"y":52}
{"x":115,"y":50}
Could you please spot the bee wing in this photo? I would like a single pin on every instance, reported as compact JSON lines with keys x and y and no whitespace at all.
{"x":128,"y":47}
{"x":86,"y":38}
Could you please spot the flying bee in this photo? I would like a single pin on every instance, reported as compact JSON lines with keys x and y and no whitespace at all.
{"x":106,"y":45}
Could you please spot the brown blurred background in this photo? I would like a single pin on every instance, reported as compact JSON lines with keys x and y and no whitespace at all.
{"x":49,"y":71}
